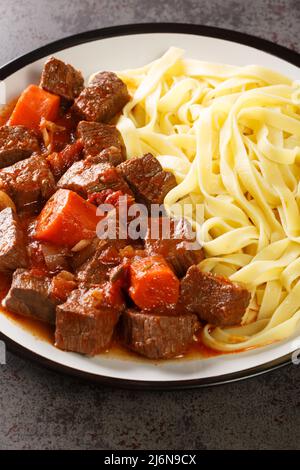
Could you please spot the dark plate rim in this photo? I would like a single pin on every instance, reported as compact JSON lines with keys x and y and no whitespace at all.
{"x":124,"y":30}
{"x":150,"y":385}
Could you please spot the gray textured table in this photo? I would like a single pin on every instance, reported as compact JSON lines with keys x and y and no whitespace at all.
{"x":43,"y":410}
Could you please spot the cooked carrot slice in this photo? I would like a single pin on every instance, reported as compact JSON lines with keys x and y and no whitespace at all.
{"x":152,"y":283}
{"x":33,"y":105}
{"x":66,"y":219}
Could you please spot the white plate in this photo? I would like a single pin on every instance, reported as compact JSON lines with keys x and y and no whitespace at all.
{"x":127,"y":47}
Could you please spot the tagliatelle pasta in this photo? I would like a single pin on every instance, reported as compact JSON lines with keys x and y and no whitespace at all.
{"x":231,"y":136}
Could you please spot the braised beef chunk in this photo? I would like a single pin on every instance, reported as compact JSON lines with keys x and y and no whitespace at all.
{"x":30,"y":295}
{"x":103,"y":98}
{"x":16,"y":143}
{"x":110,"y":155}
{"x":149,"y":182}
{"x":47,"y":256}
{"x":173,"y":239}
{"x":214,"y":299}
{"x":87,"y":176}
{"x":85,"y":322}
{"x":12,"y":244}
{"x":28,"y":182}
{"x":97,"y":136}
{"x":61,"y":79}
{"x":83,"y":255}
{"x":96,"y":269}
{"x":158,"y":336}
{"x":56,"y":258}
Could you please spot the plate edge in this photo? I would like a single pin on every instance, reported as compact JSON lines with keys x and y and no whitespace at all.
{"x":150,"y":385}
{"x":143,"y":28}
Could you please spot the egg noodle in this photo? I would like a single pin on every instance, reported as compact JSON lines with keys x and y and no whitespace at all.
{"x":231,"y":137}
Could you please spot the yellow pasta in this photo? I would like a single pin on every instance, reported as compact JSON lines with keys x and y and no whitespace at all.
{"x":231,"y":136}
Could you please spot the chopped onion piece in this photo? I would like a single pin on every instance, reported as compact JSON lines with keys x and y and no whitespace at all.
{"x":6,"y":201}
{"x":48,"y":128}
{"x":81,"y":245}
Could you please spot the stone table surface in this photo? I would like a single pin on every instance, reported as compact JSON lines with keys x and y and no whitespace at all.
{"x":40,"y":409}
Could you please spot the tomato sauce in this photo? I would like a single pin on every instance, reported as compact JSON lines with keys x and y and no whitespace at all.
{"x":37,"y":328}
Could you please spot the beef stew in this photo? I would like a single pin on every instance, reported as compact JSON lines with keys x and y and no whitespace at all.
{"x":147,"y":293}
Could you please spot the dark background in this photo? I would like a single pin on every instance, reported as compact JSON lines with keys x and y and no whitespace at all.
{"x":43,"y":410}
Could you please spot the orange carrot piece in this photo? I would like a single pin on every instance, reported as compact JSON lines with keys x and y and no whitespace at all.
{"x":66,"y":219}
{"x":33,"y":105}
{"x":153,"y":283}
